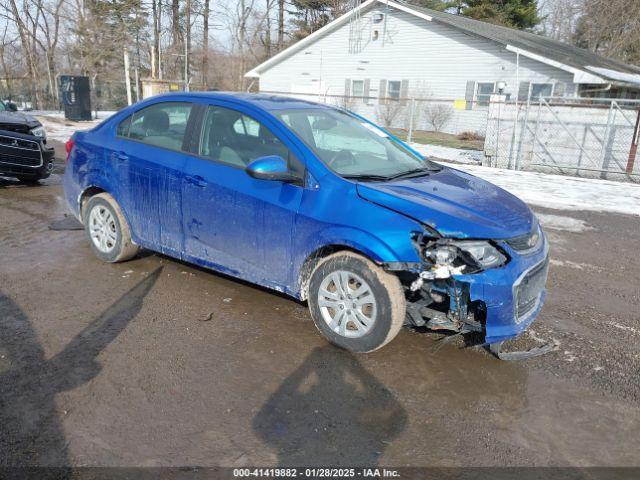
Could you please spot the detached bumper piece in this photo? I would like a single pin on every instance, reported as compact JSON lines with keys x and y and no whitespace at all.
{"x":496,"y":349}
{"x":24,"y":156}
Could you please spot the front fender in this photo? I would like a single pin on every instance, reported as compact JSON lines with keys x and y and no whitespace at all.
{"x":364,"y":242}
{"x":395,"y":247}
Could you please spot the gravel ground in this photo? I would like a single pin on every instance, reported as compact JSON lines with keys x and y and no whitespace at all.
{"x":155,"y":362}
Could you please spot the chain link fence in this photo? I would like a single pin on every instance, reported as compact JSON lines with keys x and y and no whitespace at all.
{"x":587,"y":137}
{"x":410,"y":114}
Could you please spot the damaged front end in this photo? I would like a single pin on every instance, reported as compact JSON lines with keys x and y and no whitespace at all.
{"x":494,"y":289}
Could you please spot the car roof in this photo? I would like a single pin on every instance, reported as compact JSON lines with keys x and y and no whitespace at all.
{"x":260,"y":100}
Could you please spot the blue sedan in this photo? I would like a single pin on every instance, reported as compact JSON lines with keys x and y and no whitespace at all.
{"x":313,"y":201}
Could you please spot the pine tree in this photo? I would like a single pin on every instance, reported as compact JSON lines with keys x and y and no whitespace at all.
{"x":520,"y":14}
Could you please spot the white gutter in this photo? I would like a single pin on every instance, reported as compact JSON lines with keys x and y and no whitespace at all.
{"x":579,"y":76}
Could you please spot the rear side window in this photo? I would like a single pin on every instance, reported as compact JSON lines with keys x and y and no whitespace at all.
{"x":163,"y":125}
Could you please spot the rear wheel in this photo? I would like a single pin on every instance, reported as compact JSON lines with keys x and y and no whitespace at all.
{"x":107,"y":230}
{"x":354,"y":303}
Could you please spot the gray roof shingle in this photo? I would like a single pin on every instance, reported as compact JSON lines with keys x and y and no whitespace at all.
{"x":537,"y":44}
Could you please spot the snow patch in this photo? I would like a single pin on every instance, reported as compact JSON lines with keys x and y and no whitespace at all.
{"x":562,"y":192}
{"x":457,"y":155}
{"x":60,"y":129}
{"x":559,"y":222}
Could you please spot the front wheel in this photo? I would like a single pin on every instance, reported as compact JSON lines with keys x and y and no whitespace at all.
{"x":354,"y":303}
{"x":107,"y":229}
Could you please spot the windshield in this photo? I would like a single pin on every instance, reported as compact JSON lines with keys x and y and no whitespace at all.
{"x":352,"y":147}
{"x":3,"y":107}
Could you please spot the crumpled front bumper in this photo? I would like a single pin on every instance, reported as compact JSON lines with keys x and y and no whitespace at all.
{"x":498,"y":289}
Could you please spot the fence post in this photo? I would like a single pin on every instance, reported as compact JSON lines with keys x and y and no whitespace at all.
{"x":604,"y":164}
{"x":412,"y":106}
{"x":634,"y":145}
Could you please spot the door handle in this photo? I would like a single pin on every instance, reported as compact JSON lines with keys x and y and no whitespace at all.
{"x":196,"y":180}
{"x":122,"y":157}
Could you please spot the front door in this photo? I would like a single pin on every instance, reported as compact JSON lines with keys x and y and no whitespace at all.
{"x":232,"y":221}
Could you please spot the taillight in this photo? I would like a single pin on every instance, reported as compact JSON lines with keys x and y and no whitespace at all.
{"x":68,"y":147}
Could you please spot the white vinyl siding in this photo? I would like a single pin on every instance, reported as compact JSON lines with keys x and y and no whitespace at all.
{"x":429,"y":59}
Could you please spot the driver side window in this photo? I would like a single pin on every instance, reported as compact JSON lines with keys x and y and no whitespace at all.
{"x":235,"y":139}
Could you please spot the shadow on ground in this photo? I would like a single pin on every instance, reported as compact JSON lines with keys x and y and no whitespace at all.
{"x":31,"y":431}
{"x":330,"y":411}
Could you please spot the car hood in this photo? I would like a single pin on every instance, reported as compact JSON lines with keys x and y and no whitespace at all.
{"x":454,"y":203}
{"x":18,"y":118}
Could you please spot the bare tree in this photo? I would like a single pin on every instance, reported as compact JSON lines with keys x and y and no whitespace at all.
{"x":388,"y":111}
{"x":156,"y":11}
{"x":280,"y":24}
{"x":560,"y":18}
{"x":612,"y":28}
{"x":205,"y":43}
{"x":438,"y":115}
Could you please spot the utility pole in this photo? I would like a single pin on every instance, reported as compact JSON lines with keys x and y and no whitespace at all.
{"x":187,"y":46}
{"x":186,"y":67}
{"x":127,"y":78}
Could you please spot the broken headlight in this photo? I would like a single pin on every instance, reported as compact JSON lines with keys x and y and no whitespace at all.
{"x":475,"y":253}
{"x":484,"y":254}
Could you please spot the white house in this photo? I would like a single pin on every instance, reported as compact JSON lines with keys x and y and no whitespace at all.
{"x":390,"y":50}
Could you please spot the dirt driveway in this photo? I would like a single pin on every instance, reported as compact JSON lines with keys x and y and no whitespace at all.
{"x":154,"y":362}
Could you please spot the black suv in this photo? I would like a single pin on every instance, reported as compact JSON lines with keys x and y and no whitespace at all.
{"x":24,"y":153}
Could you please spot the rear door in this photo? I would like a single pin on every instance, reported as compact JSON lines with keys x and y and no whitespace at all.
{"x":231,"y":220}
{"x":150,"y":157}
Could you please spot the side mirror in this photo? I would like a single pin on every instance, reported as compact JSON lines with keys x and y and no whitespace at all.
{"x":12,"y":107}
{"x":271,"y":167}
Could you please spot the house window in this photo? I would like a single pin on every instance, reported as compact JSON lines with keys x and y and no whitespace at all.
{"x":357,"y":88}
{"x":393,"y":89}
{"x":541,"y":90}
{"x":484,"y":92}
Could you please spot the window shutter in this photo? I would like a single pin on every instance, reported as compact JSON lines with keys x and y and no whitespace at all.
{"x":470,"y":93}
{"x":382,"y":93}
{"x":523,"y":91}
{"x":367,"y":89}
{"x":347,"y":87}
{"x":404,"y":89}
{"x":559,"y":89}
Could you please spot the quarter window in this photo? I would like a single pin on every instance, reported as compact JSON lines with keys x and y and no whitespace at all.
{"x":162,"y":124}
{"x":123,"y":127}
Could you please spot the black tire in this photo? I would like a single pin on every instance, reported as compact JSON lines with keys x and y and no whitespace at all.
{"x":30,"y":180}
{"x":123,"y":247}
{"x":385,"y":287}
